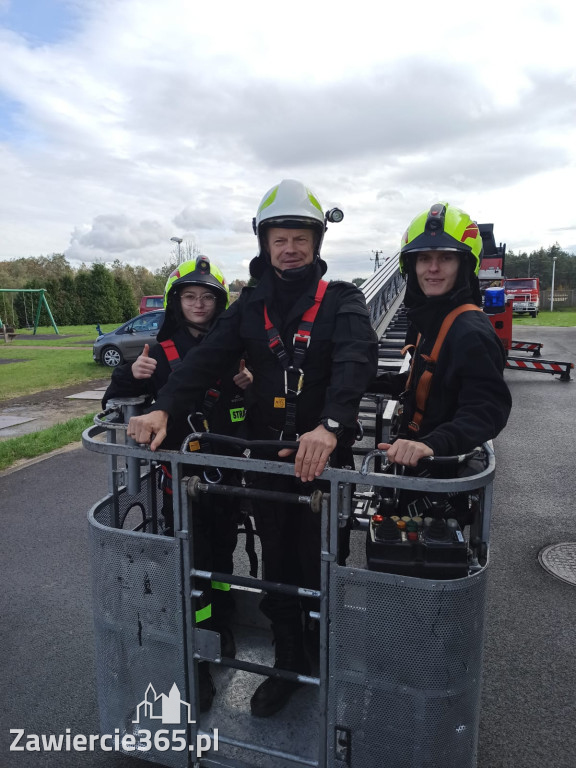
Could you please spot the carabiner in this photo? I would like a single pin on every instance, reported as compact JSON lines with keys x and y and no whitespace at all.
{"x":207,"y":478}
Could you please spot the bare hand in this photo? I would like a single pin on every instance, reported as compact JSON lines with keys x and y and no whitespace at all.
{"x":313,"y":453}
{"x":144,"y":365}
{"x":406,"y":452}
{"x":149,"y":428}
{"x":244,"y":377}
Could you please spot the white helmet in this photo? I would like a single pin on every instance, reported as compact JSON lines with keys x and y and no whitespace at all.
{"x":290,"y":205}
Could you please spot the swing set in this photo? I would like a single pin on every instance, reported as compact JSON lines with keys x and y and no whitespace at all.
{"x":7,"y":326}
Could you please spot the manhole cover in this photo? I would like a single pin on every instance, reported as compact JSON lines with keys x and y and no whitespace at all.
{"x":560,"y":561}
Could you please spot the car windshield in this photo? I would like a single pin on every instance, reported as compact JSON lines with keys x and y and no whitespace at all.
{"x":145,"y":323}
{"x":523,"y":285}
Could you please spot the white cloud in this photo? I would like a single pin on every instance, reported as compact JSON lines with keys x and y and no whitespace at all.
{"x":152,"y":120}
{"x":193,"y":217}
{"x":119,"y":233}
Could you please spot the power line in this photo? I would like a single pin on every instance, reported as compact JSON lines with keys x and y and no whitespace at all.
{"x":376,"y":260}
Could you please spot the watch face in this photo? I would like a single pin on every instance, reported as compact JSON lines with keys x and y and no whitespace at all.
{"x":332,"y":424}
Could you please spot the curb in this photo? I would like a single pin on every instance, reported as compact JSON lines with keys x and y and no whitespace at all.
{"x":24,"y":463}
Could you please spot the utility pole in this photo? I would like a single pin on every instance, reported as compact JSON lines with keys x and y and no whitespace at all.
{"x":178,"y":241}
{"x":552,"y":291}
{"x":376,"y":259}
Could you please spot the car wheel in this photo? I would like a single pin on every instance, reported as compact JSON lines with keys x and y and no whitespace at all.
{"x":534,"y":314}
{"x":111,"y":356}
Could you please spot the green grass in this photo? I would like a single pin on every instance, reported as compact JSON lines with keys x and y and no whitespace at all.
{"x":562,"y":318}
{"x":45,"y":369}
{"x":39,"y":443}
{"x":85,"y":334}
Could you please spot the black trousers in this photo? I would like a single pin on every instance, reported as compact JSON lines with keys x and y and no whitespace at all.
{"x":215,"y":535}
{"x":290,"y":539}
{"x":290,"y":535}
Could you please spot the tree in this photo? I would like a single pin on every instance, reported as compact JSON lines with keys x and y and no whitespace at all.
{"x":141,"y":280}
{"x":539,"y":264}
{"x":18,"y":272}
{"x":97,"y":293}
{"x":125,"y":298}
{"x":60,"y":295}
{"x":189,"y":251}
{"x":69,"y":310}
{"x":165,"y":271}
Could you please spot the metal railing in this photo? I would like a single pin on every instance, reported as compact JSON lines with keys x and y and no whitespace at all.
{"x":406,"y":650}
{"x":384,"y":292}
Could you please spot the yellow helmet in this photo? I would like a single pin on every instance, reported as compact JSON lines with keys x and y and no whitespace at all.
{"x":442,"y":228}
{"x":198,"y":272}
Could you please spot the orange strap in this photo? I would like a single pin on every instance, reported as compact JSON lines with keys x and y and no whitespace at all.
{"x":425,"y":381}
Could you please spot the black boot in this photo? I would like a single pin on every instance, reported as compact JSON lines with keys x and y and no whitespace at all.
{"x":274,"y":693}
{"x":206,"y":687}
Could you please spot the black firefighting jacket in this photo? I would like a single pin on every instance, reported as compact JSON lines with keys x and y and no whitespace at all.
{"x":340,"y":362}
{"x":225,"y":408}
{"x":469,"y":401}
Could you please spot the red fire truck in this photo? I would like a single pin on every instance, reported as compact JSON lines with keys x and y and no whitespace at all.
{"x":502,"y":296}
{"x":525,"y":294}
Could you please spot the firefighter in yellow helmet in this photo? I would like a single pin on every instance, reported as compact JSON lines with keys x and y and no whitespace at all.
{"x":462,"y":400}
{"x":196,"y":293}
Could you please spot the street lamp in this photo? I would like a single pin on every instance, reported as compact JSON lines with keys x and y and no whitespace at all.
{"x":552,"y":290}
{"x":179,"y":241}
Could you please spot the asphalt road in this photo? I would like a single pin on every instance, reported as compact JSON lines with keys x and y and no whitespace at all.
{"x":528,"y":712}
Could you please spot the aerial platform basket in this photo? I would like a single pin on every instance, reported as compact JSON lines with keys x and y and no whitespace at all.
{"x":399,"y":674}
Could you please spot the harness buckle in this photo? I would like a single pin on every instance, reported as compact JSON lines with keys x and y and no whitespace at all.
{"x":274,"y":341}
{"x":302,"y":338}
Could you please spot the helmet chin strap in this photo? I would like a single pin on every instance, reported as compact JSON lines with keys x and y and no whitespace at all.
{"x":298,"y":273}
{"x":204,"y":328}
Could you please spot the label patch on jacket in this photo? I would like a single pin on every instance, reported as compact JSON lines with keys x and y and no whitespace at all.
{"x":279,"y":402}
{"x":193,"y":445}
{"x":237,"y":414}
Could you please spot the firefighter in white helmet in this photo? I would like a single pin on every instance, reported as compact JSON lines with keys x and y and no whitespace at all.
{"x":313,"y":353}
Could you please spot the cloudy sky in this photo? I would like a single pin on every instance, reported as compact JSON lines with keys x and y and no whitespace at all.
{"x":124,"y":123}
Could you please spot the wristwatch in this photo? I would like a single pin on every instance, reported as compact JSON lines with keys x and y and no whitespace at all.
{"x":330,"y":425}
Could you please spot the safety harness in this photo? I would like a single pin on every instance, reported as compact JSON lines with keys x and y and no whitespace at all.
{"x":425,"y":382}
{"x":293,"y":367}
{"x":210,"y":399}
{"x":212,"y":394}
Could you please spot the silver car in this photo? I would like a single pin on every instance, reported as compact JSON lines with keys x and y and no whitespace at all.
{"x":125,"y":343}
